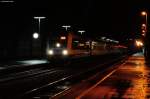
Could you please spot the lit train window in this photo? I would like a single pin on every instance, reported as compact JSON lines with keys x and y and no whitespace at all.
{"x":79,"y":44}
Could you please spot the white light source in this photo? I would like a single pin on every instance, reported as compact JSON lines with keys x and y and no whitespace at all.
{"x":35,"y":35}
{"x":7,"y":1}
{"x":65,"y":52}
{"x":57,"y":44}
{"x":107,"y":40}
{"x":116,"y":41}
{"x":103,"y":38}
{"x":62,"y":37}
{"x":76,"y":41}
{"x":40,"y":17}
{"x":143,"y":31}
{"x":144,"y":13}
{"x":81,"y":31}
{"x":39,"y":20}
{"x":50,"y":52}
{"x":143,"y":25}
{"x":66,"y":27}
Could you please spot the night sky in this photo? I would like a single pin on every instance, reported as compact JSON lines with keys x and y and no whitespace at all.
{"x":118,"y":19}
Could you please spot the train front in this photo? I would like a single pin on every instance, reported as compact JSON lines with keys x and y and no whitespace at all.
{"x":57,"y":48}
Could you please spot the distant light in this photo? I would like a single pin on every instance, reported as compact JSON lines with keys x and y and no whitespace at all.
{"x":62,"y":37}
{"x":35,"y":35}
{"x":143,"y":13}
{"x":107,"y":40}
{"x":65,"y":52}
{"x":42,"y":17}
{"x":143,"y":25}
{"x":66,"y":27}
{"x":7,"y":1}
{"x":76,"y":41}
{"x":103,"y":38}
{"x":143,"y":34}
{"x":143,"y":31}
{"x":111,"y":40}
{"x":50,"y":52}
{"x":87,"y":43}
{"x":116,"y":41}
{"x":81,"y":44}
{"x":94,"y":43}
{"x":81,"y":31}
{"x":57,"y":44}
{"x":139,"y":43}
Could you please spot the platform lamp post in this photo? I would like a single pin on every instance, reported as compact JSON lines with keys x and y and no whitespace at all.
{"x":143,"y":29}
{"x":81,"y":31}
{"x":35,"y":35}
{"x":144,"y":13}
{"x":146,"y":49}
{"x":39,"y":22}
{"x":90,"y":42}
{"x":38,"y":35}
{"x":66,"y":27}
{"x":69,"y":36}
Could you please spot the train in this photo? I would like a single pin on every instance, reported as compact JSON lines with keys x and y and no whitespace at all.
{"x":68,"y":45}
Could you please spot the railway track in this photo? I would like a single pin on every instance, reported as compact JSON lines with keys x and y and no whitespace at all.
{"x":53,"y":89}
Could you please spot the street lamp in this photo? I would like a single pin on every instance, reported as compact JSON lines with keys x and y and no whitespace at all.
{"x":144,"y":13}
{"x":39,"y":20}
{"x":139,"y":43}
{"x":35,"y":35}
{"x":69,"y":37}
{"x":143,"y":29}
{"x":81,"y":31}
{"x":66,"y":27}
{"x":143,"y":25}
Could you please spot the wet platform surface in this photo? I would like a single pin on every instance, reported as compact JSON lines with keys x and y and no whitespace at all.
{"x":129,"y":81}
{"x":21,"y":63}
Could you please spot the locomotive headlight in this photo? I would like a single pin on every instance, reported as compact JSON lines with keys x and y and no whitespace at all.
{"x":50,"y":52}
{"x":57,"y":44}
{"x":65,"y":52}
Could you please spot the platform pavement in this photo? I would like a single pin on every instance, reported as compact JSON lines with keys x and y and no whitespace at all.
{"x":130,"y":81}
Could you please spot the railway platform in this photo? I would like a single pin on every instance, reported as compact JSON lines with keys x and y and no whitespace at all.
{"x":130,"y":81}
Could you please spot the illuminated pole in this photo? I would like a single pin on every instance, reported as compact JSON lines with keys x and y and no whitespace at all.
{"x":39,"y":20}
{"x":36,"y":35}
{"x":81,"y":31}
{"x":143,"y":29}
{"x":66,"y":27}
{"x":144,"y":13}
{"x":69,"y":38}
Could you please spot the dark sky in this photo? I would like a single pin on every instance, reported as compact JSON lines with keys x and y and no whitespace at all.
{"x":113,"y":18}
